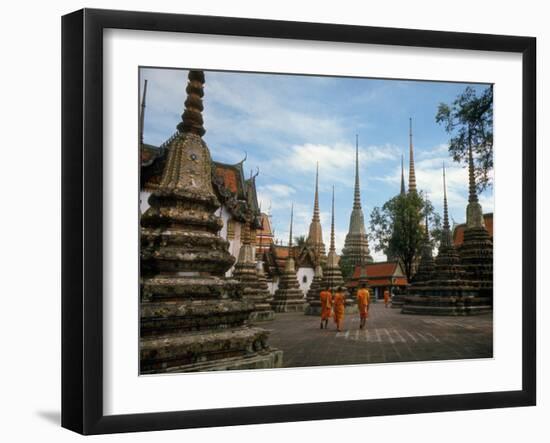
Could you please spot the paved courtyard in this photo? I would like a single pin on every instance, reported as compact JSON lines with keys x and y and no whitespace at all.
{"x":389,"y":337}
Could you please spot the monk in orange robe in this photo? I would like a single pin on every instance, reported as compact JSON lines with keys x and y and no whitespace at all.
{"x":387,"y":297}
{"x":363,"y":298}
{"x":339,"y":306}
{"x":326,"y":306}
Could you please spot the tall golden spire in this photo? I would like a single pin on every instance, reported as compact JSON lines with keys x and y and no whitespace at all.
{"x":402,"y":177}
{"x":357,"y":192}
{"x":412,"y":176}
{"x":474,"y":212}
{"x":472,"y":197}
{"x":316,"y":216}
{"x":332,"y":245}
{"x":290,"y":232}
{"x":315,"y":235}
{"x":446,"y":238}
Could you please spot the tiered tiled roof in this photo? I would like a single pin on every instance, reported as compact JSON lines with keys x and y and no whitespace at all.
{"x":380,"y":274}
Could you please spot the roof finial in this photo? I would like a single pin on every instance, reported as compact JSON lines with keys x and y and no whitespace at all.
{"x":472,"y":197}
{"x":332,"y":246}
{"x":316,"y":215}
{"x":412,"y":176}
{"x":142,"y":114}
{"x":192,"y":121}
{"x":357,"y":192}
{"x":402,"y":176}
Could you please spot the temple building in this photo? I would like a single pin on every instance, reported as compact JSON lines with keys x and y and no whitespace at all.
{"x":379,"y":277}
{"x":356,"y":246}
{"x":234,"y":191}
{"x":192,"y":318}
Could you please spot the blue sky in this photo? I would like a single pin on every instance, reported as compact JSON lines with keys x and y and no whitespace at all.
{"x":286,"y":123}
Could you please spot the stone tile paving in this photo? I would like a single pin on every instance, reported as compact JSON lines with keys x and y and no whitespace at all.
{"x":389,"y":337}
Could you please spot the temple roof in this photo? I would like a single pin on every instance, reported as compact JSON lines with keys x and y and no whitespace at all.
{"x":458,"y":230}
{"x":232,"y":176}
{"x":265,"y":226}
{"x":380,"y":274}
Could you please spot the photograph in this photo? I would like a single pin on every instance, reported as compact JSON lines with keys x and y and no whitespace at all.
{"x":291,"y":220}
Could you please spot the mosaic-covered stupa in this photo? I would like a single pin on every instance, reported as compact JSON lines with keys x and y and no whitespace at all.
{"x":192,"y":318}
{"x":476,"y":250}
{"x":447,"y":293}
{"x":314,"y":239}
{"x":246,"y":273}
{"x":332,"y":275}
{"x":356,"y":246}
{"x":313,"y":301}
{"x":289,"y":297}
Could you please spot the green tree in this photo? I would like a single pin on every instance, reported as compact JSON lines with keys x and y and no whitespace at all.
{"x":300,"y":240}
{"x":398,"y":228}
{"x":469,"y":122}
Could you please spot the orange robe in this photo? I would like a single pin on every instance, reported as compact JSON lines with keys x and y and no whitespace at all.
{"x":339,"y":304}
{"x":326,"y":304}
{"x":363,"y":297}
{"x":386,"y":297}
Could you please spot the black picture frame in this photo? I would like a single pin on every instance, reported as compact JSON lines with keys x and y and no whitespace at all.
{"x":82,"y":217}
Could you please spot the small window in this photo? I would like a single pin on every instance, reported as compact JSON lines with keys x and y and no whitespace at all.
{"x":304,"y":279}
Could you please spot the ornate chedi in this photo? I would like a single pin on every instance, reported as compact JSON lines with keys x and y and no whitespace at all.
{"x":247,"y":274}
{"x":191,"y":317}
{"x":447,"y":293}
{"x":289,"y":297}
{"x":356,"y":246}
{"x":412,"y":175}
{"x":476,"y":251}
{"x":313,"y":301}
{"x":402,"y":191}
{"x":263,"y":287}
{"x":332,"y":275}
{"x":315,"y":236}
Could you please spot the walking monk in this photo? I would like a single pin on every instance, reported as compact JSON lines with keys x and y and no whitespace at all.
{"x":326,"y":306}
{"x":363,"y":298}
{"x":339,"y":306}
{"x":386,"y":297}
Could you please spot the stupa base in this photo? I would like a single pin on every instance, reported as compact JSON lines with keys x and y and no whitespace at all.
{"x":223,"y":349}
{"x":260,"y":316}
{"x":289,"y":306}
{"x":447,"y":306}
{"x":262,"y":360}
{"x":313,"y":309}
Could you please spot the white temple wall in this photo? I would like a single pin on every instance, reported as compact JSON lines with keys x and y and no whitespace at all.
{"x":272,"y":286}
{"x":305,"y":277}
{"x":143,"y":201}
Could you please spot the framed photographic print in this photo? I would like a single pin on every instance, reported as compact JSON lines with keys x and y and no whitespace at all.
{"x":254,"y":210}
